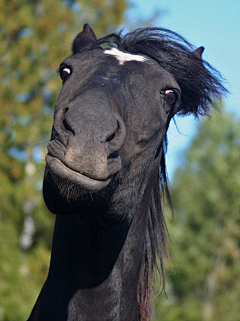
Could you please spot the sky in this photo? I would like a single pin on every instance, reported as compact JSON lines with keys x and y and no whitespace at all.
{"x":214,"y":24}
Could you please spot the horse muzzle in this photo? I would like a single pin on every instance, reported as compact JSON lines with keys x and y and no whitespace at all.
{"x":85,"y":153}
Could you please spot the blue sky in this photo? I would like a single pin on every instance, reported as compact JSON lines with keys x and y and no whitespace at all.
{"x":215,"y":25}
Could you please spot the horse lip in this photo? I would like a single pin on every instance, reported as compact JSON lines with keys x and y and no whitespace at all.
{"x":61,"y":170}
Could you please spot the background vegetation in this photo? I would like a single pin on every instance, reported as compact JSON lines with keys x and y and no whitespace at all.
{"x":204,"y":280}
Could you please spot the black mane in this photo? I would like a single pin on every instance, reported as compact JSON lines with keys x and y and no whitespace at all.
{"x":200,"y":83}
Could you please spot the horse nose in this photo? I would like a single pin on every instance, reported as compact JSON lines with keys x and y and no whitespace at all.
{"x":89,"y":144}
{"x":113,"y":139}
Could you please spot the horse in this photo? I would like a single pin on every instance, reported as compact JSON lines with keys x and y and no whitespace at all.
{"x":105,"y":176}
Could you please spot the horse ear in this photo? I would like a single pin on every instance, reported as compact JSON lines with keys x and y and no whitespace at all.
{"x":198,"y":52}
{"x":83,"y":39}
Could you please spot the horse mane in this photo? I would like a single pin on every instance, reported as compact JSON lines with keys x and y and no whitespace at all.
{"x":201,"y":86}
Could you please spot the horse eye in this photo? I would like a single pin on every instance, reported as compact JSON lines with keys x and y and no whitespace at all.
{"x":170,"y":96}
{"x":65,"y":73}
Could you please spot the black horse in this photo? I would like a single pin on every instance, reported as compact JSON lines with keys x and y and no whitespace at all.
{"x":105,"y":175}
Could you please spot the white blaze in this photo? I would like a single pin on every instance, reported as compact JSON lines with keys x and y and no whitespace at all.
{"x":122,"y":57}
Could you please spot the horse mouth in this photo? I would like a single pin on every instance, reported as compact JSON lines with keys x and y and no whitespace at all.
{"x":60,"y":172}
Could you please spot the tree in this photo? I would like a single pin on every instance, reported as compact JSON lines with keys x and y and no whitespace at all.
{"x":204,"y":282}
{"x":35,"y":37}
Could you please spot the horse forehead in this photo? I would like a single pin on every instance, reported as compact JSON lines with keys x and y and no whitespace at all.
{"x":123,"y":57}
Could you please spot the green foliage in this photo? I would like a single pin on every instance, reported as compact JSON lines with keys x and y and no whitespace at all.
{"x":22,"y":275}
{"x":35,"y":36}
{"x":204,"y":281}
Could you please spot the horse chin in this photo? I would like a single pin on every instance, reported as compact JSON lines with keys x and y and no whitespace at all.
{"x":71,"y":183}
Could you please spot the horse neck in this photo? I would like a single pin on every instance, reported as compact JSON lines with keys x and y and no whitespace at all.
{"x":94,"y":270}
{"x":87,"y":251}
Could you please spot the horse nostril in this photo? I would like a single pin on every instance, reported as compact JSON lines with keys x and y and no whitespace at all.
{"x":67,"y":128}
{"x":115,"y":139}
{"x":111,"y":137}
{"x":113,"y":155}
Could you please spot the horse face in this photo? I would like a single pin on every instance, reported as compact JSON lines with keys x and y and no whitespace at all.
{"x":111,"y":115}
